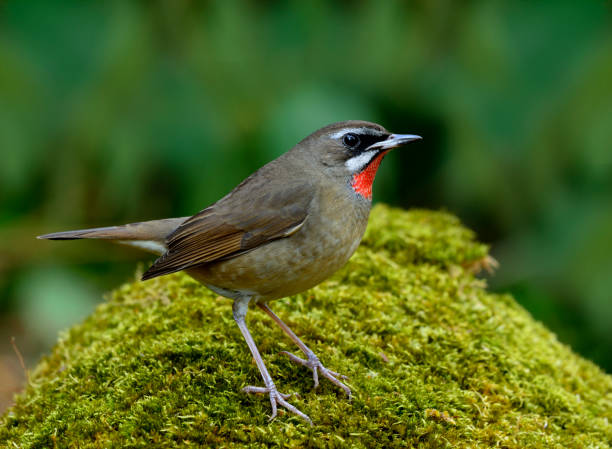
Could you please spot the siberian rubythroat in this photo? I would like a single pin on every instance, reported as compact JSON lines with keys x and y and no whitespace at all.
{"x":284,"y":229}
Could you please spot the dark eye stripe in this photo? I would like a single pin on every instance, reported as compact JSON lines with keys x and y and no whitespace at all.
{"x":366,"y":141}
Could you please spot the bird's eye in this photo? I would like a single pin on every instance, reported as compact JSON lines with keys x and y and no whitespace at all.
{"x":350,"y":140}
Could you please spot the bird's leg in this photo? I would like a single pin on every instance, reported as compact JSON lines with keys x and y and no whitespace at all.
{"x":239,"y":309}
{"x":312,"y":361}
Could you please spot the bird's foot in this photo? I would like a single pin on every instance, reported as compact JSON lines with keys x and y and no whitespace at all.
{"x":277,"y":398}
{"x":316,"y":366}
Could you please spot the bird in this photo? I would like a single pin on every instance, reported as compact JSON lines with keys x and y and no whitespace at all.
{"x":284,"y":229}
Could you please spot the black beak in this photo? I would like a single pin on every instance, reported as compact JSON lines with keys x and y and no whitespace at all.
{"x":394,"y":141}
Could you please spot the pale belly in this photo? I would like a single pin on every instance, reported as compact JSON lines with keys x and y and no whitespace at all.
{"x":291,"y":265}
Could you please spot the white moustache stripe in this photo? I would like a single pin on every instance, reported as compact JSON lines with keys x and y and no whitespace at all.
{"x":357,"y":163}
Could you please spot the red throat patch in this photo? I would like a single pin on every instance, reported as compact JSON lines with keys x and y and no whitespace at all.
{"x":362,"y":181}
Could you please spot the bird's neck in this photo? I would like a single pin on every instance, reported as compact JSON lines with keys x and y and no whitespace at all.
{"x":362,"y":181}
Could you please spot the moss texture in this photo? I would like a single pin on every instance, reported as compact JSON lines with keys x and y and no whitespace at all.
{"x":434,"y":360}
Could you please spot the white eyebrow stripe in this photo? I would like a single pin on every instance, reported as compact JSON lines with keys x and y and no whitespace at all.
{"x":356,"y":163}
{"x":370,"y":131}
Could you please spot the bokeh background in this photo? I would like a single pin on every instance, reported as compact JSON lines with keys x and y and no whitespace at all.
{"x":119,"y":111}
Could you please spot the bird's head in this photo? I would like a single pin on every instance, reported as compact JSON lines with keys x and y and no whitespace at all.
{"x":352,"y":151}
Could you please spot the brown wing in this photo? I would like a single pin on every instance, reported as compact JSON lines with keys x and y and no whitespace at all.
{"x":239,"y":222}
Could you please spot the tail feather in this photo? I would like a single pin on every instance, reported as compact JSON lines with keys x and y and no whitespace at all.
{"x":147,"y":235}
{"x":109,"y":232}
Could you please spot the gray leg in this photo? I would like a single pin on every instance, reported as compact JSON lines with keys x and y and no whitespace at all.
{"x":313,"y":361}
{"x":240,"y":308}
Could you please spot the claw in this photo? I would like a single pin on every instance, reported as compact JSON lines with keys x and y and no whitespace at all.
{"x":277,"y":398}
{"x":315,"y":365}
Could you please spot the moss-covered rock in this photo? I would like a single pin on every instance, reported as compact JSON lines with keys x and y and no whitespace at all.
{"x":433,"y":359}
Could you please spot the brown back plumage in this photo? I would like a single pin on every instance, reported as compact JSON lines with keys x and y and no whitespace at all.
{"x":264,"y":207}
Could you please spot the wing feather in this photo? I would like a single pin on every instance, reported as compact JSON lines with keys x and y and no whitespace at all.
{"x":228,"y":228}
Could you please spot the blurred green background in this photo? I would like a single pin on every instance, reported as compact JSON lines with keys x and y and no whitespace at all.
{"x":120,"y":111}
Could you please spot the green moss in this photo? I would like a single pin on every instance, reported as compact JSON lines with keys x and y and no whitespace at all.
{"x":434,"y":361}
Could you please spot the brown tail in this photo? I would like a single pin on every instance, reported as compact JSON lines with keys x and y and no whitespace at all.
{"x":147,"y":235}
